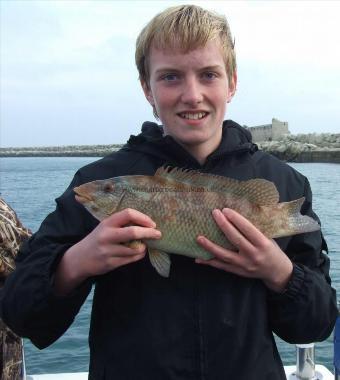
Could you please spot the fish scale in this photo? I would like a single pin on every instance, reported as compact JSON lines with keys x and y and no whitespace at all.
{"x":179,"y":225}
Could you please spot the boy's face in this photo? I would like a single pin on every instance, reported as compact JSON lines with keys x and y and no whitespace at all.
{"x":190,"y":92}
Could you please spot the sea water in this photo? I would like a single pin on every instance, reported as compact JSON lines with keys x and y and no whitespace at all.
{"x":30,"y":186}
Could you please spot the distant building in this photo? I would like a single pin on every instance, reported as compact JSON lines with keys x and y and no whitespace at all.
{"x":269,"y":132}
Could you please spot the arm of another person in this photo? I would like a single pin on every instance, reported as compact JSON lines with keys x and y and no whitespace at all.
{"x":301,"y":302}
{"x":55,"y":268}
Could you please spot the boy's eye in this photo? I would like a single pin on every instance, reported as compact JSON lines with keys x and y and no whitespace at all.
{"x":170,"y":77}
{"x":209,"y":75}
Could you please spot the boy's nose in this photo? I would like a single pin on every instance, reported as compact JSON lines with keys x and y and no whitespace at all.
{"x":192,"y":94}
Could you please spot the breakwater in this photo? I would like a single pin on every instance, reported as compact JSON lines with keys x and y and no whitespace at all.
{"x":61,"y":151}
{"x":312,"y":147}
{"x":323,"y":147}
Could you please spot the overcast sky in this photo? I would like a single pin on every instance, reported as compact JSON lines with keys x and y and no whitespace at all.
{"x":68,"y":73}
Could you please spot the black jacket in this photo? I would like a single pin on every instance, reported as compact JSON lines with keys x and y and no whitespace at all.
{"x":200,"y":323}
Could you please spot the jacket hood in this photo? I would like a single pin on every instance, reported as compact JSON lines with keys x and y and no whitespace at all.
{"x":152,"y":141}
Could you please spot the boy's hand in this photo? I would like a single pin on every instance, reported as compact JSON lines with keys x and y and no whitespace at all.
{"x":103,"y":249}
{"x":257,"y":256}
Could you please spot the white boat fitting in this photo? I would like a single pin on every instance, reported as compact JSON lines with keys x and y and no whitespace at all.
{"x":321,"y":373}
{"x":60,"y":376}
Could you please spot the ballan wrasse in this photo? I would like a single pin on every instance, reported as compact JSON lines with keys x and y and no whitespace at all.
{"x":181,"y":202}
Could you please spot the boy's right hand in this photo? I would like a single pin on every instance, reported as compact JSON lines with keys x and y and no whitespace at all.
{"x":103,"y":249}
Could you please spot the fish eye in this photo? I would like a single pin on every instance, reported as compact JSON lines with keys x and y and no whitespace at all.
{"x":108,"y":187}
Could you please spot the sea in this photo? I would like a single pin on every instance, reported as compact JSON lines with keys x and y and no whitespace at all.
{"x":30,"y":185}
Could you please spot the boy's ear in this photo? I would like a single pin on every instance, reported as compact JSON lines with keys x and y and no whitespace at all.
{"x":147,"y":92}
{"x":232,"y":87}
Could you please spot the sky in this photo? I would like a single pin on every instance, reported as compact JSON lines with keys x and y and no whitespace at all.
{"x":68,"y":75}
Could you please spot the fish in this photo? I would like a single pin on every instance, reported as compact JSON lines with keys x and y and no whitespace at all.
{"x":181,"y":201}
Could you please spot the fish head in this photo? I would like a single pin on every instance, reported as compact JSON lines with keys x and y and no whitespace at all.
{"x":101,"y":198}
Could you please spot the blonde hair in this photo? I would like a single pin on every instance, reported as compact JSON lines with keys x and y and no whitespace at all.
{"x":184,"y":27}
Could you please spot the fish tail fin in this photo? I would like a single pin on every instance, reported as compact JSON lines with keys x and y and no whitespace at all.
{"x":298,"y":223}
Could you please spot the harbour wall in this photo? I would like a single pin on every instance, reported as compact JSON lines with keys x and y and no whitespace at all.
{"x":310,"y":147}
{"x":283,"y":153}
{"x":323,"y":156}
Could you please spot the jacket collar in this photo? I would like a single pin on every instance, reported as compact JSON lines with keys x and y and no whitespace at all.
{"x":235,"y":139}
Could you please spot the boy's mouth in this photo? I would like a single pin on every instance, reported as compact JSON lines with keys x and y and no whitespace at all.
{"x":193,"y":115}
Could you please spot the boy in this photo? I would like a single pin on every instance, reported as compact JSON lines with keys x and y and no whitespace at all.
{"x":212,"y":321}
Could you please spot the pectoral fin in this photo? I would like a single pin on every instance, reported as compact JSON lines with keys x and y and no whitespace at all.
{"x":160,"y":261}
{"x":134,"y":244}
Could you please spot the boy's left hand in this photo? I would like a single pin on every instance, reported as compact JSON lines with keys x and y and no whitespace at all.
{"x":257,"y":256}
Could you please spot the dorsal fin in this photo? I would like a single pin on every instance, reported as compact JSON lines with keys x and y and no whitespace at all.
{"x":258,"y":191}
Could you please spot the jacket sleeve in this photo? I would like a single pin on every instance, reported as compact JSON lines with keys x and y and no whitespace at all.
{"x":28,"y":304}
{"x":306,"y":311}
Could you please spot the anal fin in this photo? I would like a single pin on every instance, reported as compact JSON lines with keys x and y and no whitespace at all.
{"x":160,"y":261}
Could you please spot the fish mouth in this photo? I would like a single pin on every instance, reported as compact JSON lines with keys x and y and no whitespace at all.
{"x":81,"y":196}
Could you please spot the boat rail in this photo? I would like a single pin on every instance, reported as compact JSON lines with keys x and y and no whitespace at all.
{"x":305,"y":368}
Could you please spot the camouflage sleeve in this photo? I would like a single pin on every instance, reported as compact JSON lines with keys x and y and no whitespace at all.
{"x":29,"y":306}
{"x":306,"y":311}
